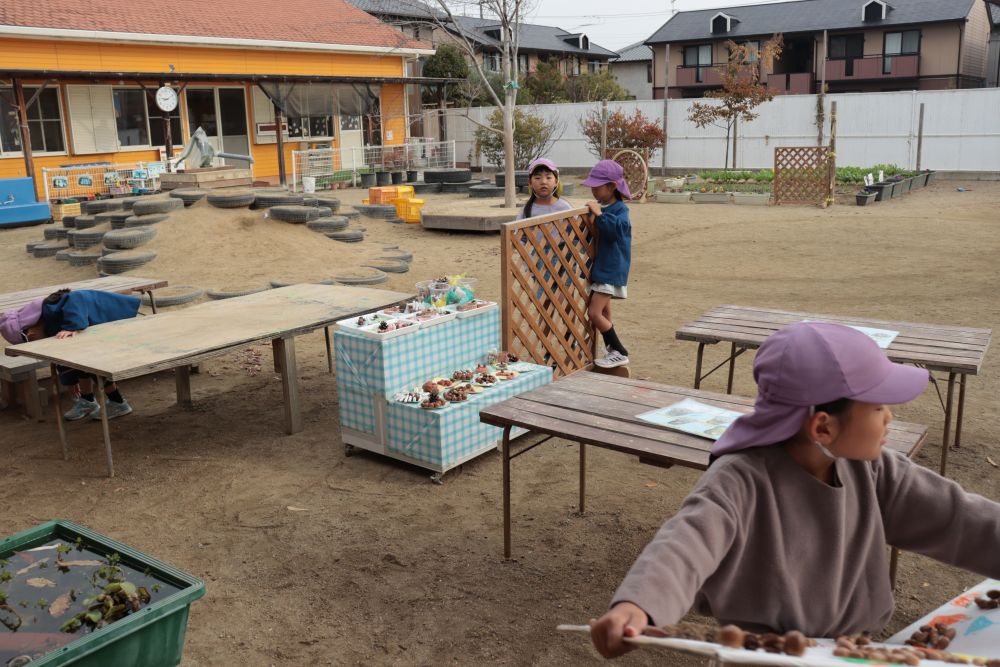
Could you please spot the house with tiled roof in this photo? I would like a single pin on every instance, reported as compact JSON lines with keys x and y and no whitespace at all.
{"x":260,"y":78}
{"x":844,"y":45}
{"x":633,"y":69}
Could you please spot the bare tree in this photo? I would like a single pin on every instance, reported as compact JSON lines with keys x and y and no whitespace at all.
{"x":508,"y":15}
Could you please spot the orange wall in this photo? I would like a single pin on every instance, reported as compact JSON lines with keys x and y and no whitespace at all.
{"x":91,"y":56}
{"x":393,"y":114}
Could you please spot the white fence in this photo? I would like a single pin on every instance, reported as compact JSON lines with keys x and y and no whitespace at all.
{"x":961,"y":131}
{"x":330,"y":166}
{"x":87,"y":181}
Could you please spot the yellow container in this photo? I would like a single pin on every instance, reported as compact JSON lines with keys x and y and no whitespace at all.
{"x":409,"y":209}
{"x":59,"y":211}
{"x":383,"y":195}
{"x":404,"y":192}
{"x":366,"y":201}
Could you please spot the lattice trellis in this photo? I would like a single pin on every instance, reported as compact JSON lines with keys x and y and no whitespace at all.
{"x":636,"y":172}
{"x":803,"y":175}
{"x":545,"y":267}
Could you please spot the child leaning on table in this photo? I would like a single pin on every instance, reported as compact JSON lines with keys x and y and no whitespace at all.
{"x":64,"y":314}
{"x":609,"y":273}
{"x":788,"y":529}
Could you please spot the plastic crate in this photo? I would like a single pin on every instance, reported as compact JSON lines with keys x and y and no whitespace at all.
{"x":61,"y":209}
{"x":153,"y":637}
{"x":409,"y":209}
{"x":385,"y":194}
{"x":404,"y":192}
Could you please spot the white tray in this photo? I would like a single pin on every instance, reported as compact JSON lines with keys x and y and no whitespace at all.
{"x":351,"y":323}
{"x":447,"y":317}
{"x":462,"y":314}
{"x":371,"y":330}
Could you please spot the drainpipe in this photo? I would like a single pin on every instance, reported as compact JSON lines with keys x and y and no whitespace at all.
{"x":961,"y":43}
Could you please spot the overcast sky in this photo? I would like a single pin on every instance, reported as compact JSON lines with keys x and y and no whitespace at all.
{"x":617,"y":23}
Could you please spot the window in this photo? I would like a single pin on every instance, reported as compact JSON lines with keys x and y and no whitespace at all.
{"x":649,"y":72}
{"x":753,"y":47}
{"x":698,"y":57}
{"x":130,"y":117}
{"x":522,"y":63}
{"x":845,"y":47}
{"x":575,"y":64}
{"x":44,"y":122}
{"x":873,"y":11}
{"x":720,"y":23}
{"x":156,"y":137}
{"x":594,"y":66}
{"x":902,"y":43}
{"x":491,"y":61}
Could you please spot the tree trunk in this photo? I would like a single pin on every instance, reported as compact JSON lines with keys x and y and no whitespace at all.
{"x":729,"y":130}
{"x":509,"y":186}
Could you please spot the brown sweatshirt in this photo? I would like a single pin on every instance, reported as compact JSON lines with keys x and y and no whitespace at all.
{"x":763,"y":544}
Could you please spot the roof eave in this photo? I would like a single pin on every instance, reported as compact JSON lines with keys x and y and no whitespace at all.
{"x":29,"y":32}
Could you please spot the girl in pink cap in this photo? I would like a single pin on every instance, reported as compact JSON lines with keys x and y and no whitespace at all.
{"x":788,"y":529}
{"x":546,"y":190}
{"x":609,"y":273}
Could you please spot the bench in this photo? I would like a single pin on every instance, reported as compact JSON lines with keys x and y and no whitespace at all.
{"x":19,"y":384}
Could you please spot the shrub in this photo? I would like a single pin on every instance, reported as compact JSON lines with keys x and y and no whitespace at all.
{"x":635,"y":132}
{"x":533,"y":137}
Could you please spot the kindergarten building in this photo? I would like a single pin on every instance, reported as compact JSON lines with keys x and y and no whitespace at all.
{"x":85,"y":84}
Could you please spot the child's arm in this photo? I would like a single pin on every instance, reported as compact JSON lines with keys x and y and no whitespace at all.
{"x":934,"y":516}
{"x":74,"y":315}
{"x":611,"y":222}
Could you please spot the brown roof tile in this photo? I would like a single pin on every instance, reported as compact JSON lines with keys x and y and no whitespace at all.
{"x":316,"y":21}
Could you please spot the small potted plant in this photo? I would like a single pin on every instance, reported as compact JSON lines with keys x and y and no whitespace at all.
{"x":865,"y":196}
{"x":674,"y":196}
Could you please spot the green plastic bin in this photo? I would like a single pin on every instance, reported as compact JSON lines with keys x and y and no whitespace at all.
{"x":152,"y":637}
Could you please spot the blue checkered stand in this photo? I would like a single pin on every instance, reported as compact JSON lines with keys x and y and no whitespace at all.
{"x":370,"y":371}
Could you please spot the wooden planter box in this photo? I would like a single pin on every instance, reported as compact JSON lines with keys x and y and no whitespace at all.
{"x":672,"y":197}
{"x":751,"y":198}
{"x":711,"y":197}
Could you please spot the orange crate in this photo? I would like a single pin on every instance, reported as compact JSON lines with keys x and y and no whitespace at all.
{"x":409,"y":209}
{"x":383,"y":195}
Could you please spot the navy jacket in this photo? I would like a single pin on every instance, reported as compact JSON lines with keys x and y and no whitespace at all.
{"x":78,"y":310}
{"x":614,"y":246}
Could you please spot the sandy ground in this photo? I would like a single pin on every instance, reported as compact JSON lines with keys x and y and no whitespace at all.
{"x":380,"y":566}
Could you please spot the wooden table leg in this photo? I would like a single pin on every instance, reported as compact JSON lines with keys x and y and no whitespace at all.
{"x":102,"y":400}
{"x":961,"y":411}
{"x":732,"y":368}
{"x":505,"y":454}
{"x":329,"y":349}
{"x":697,"y":365}
{"x":182,"y":379}
{"x":893,"y":566}
{"x":152,"y":300}
{"x":57,"y":406}
{"x":949,"y":399}
{"x":583,"y":475}
{"x":284,"y":359}
{"x":32,"y":404}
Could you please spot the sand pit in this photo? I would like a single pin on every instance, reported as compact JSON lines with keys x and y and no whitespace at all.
{"x":312,"y":558}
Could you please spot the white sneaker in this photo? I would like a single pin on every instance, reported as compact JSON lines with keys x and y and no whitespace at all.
{"x":612,"y":359}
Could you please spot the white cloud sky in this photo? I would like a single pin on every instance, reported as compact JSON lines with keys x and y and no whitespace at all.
{"x":618,"y":23}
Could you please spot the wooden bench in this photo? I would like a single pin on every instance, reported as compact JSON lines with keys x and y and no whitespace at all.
{"x":603,"y":411}
{"x":19,"y":384}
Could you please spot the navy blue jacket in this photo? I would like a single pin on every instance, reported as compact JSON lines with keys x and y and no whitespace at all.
{"x":78,"y":310}
{"x":614,"y":246}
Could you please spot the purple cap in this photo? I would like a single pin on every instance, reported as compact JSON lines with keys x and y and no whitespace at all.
{"x":806,"y":364}
{"x":608,"y":171}
{"x":12,"y":322}
{"x":542,"y":162}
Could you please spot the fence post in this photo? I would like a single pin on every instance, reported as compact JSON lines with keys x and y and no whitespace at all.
{"x":453,"y":150}
{"x":920,"y":136}
{"x":45,"y":182}
{"x":663,"y":155}
{"x":295,"y":170}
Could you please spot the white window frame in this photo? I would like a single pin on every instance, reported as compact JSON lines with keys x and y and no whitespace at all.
{"x":491,"y":62}
{"x":864,"y":8}
{"x":9,"y":91}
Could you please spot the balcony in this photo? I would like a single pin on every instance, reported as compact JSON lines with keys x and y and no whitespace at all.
{"x":873,"y":67}
{"x":699,"y":75}
{"x":798,"y":83}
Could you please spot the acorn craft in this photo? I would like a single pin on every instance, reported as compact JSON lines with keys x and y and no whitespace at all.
{"x":991,"y":600}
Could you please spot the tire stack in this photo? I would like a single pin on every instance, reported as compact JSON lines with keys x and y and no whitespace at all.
{"x":159,"y":206}
{"x":189,"y":195}
{"x":124,"y":260}
{"x":328,"y":224}
{"x":450,"y":180}
{"x":118,"y":218}
{"x":144,"y":220}
{"x":521,"y":179}
{"x":100,"y":206}
{"x":458,"y":188}
{"x":485,"y":190}
{"x":377,"y":211}
{"x":297,"y":214}
{"x":232,"y":199}
{"x":126,"y":239}
{"x":86,"y":238}
{"x":269,"y":198}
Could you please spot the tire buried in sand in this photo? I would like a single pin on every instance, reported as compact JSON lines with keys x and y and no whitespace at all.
{"x":189,"y":195}
{"x":232,"y":200}
{"x":125,"y":260}
{"x":388,"y":265}
{"x":373,"y":277}
{"x":347,"y":236}
{"x":145,"y":220}
{"x":333,"y":223}
{"x":294,"y":214}
{"x":165,"y":205}
{"x":124,"y":239}
{"x":231,"y":293}
{"x":173,"y":296}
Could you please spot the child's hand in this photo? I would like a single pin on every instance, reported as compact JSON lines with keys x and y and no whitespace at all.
{"x":623,"y":620}
{"x":66,"y":334}
{"x":595,"y":208}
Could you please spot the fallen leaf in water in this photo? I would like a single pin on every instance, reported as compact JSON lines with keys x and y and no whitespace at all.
{"x":77,"y":563}
{"x":60,"y":605}
{"x":25,"y":570}
{"x":40,"y":582}
{"x":992,"y":462}
{"x":293,"y":508}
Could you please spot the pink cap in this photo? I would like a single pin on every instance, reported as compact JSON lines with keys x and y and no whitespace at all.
{"x":14,"y":321}
{"x":542,"y":162}
{"x":608,"y":171}
{"x":806,"y":364}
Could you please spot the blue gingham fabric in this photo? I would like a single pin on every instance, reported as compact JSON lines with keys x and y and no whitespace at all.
{"x":357,"y":409}
{"x":387,"y":366}
{"x":444,"y":437}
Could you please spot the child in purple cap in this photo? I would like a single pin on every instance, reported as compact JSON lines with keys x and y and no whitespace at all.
{"x":64,"y":314}
{"x":788,"y":528}
{"x":609,"y":273}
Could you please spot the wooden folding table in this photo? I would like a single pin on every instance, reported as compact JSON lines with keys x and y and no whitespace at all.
{"x":958,"y":351}
{"x":134,"y":347}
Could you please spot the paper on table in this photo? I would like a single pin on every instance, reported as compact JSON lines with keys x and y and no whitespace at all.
{"x":977,"y":631}
{"x":694,"y":417}
{"x":882,"y":337}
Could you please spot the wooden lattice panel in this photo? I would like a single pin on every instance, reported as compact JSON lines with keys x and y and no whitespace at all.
{"x":802,"y":175}
{"x":545,"y":267}
{"x":636,"y":172}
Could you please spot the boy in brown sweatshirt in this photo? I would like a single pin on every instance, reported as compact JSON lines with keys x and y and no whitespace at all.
{"x":788,"y":529}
